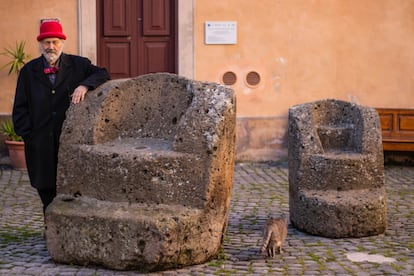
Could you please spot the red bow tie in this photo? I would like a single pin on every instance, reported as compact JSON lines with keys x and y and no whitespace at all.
{"x":51,"y":70}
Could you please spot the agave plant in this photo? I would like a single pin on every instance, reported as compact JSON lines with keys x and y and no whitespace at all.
{"x":18,"y":57}
{"x":8,"y":130}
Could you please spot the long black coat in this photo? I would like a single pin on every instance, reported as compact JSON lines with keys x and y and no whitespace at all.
{"x":39,"y":111}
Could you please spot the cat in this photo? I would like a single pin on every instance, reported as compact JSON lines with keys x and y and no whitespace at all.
{"x":274,"y":234}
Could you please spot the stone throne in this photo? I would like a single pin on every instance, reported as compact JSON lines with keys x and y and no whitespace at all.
{"x":336,"y":169}
{"x":144,"y":175}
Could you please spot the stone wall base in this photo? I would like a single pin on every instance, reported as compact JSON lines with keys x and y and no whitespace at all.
{"x":261,"y":139}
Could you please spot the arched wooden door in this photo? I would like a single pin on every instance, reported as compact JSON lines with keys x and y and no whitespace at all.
{"x":137,"y":37}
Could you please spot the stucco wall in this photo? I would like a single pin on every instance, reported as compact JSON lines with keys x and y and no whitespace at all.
{"x":303,"y":50}
{"x":359,"y":51}
{"x":20,"y":20}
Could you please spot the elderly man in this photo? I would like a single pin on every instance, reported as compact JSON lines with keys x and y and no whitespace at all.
{"x":45,"y":88}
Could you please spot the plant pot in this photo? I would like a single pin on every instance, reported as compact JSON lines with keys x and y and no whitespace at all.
{"x":16,"y":154}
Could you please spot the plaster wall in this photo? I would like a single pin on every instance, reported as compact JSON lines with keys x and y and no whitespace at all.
{"x":304,"y":50}
{"x":20,"y":20}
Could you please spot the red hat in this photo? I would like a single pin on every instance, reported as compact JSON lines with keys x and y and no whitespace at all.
{"x":50,"y":29}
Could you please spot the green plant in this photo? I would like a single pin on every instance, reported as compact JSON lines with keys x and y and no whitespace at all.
{"x":17,"y":57}
{"x":8,"y":130}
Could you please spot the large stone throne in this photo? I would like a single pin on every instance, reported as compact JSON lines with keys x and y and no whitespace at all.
{"x":144,"y":175}
{"x":336,"y":169}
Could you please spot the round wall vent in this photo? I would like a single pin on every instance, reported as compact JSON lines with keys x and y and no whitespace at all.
{"x":252,"y":78}
{"x":229,"y":78}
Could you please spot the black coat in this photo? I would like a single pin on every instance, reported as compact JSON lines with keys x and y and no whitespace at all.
{"x":39,"y":111}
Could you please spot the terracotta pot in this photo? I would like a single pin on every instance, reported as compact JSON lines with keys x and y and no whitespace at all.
{"x":16,"y":154}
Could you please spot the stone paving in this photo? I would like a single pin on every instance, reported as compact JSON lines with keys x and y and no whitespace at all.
{"x":260,"y":190}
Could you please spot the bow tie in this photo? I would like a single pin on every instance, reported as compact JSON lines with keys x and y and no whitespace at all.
{"x":51,"y":70}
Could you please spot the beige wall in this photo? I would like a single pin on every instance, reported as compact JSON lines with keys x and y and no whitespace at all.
{"x":359,"y":51}
{"x":304,"y":50}
{"x":20,"y":20}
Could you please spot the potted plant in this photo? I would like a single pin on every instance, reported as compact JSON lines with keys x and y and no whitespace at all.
{"x":17,"y":59}
{"x":15,"y":146}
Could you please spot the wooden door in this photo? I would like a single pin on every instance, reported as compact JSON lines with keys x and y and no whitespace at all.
{"x":137,"y":37}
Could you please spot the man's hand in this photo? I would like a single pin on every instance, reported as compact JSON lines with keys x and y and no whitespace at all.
{"x":79,"y":94}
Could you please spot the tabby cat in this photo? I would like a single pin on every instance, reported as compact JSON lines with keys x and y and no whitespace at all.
{"x":274,"y":234}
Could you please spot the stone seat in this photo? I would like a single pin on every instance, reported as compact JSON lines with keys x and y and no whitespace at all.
{"x":340,"y":171}
{"x":336,"y":170}
{"x":146,"y":169}
{"x":144,"y":175}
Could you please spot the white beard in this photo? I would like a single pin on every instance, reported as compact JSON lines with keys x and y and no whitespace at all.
{"x":51,"y":58}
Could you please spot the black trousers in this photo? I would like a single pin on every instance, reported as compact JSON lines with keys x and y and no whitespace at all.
{"x":46,"y":196}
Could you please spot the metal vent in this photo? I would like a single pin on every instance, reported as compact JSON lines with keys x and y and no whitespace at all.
{"x":252,"y":78}
{"x":229,"y":78}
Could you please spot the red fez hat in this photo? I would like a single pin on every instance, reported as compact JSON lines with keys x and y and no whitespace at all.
{"x":50,"y":29}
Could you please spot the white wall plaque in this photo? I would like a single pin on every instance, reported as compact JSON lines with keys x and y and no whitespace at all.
{"x":220,"y":32}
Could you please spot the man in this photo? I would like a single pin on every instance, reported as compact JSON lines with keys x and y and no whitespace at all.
{"x":45,"y":88}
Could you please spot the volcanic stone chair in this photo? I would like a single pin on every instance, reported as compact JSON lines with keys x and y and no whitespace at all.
{"x":144,"y":175}
{"x":336,"y":169}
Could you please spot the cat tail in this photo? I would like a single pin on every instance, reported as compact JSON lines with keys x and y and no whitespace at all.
{"x":265,"y":242}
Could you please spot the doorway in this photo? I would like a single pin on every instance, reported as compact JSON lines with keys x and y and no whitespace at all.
{"x":137,"y":37}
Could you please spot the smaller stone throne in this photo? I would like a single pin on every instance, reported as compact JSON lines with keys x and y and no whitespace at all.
{"x":144,"y":175}
{"x":336,"y":169}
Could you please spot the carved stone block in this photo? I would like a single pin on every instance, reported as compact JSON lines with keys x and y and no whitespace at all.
{"x":144,"y":175}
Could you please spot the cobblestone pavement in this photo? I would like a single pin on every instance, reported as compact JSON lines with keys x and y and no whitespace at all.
{"x":260,"y":189}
